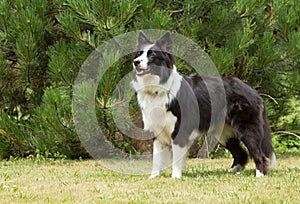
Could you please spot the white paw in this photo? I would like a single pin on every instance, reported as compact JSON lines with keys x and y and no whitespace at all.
{"x":259,"y":174}
{"x":176,"y":174}
{"x":154,"y":175}
{"x":236,"y":168}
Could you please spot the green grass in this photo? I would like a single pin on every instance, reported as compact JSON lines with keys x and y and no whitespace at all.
{"x":204,"y":181}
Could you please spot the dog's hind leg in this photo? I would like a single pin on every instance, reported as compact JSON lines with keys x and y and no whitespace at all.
{"x":240,"y":155}
{"x":229,"y":139}
{"x":251,"y":136}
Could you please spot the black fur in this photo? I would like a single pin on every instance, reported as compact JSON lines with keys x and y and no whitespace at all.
{"x":239,"y":154}
{"x":245,"y":113}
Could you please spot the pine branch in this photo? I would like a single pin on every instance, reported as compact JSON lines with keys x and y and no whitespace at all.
{"x":64,"y":79}
{"x":89,"y":18}
{"x":57,"y":115}
{"x":55,"y":129}
{"x":114,"y":104}
{"x":16,"y":146}
{"x":177,"y":11}
{"x":117,"y":23}
{"x":28,"y":63}
{"x":104,"y":16}
{"x":290,"y":54}
{"x":273,"y":99}
{"x":285,"y":94}
{"x":4,"y":24}
{"x":280,"y":132}
{"x":79,"y":37}
{"x":107,"y":88}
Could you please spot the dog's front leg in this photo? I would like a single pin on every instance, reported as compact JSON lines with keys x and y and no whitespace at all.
{"x":179,"y":156}
{"x":161,"y":158}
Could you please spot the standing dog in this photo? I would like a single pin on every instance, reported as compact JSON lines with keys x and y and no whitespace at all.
{"x":178,"y":108}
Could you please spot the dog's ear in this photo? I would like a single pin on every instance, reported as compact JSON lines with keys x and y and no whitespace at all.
{"x":143,"y":39}
{"x":165,"y":43}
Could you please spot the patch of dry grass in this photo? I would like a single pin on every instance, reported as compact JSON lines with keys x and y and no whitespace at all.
{"x":204,"y":181}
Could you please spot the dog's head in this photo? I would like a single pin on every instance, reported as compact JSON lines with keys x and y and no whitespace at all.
{"x":153,"y":58}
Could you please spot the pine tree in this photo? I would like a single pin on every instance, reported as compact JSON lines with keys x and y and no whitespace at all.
{"x":24,"y":31}
{"x":45,"y":43}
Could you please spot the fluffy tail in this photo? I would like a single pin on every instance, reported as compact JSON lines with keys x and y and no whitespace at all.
{"x":266,"y":145}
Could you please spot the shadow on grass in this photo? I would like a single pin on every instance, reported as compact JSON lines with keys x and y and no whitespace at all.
{"x":246,"y":173}
{"x":216,"y":173}
{"x":205,"y":173}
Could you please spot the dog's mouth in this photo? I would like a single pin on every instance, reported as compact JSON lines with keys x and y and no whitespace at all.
{"x":142,"y":72}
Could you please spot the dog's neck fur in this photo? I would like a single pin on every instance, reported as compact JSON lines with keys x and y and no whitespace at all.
{"x":151,"y":84}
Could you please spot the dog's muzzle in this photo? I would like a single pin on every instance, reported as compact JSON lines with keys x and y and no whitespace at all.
{"x":139,"y":70}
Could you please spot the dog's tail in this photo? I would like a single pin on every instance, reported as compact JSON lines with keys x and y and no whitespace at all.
{"x":266,"y":145}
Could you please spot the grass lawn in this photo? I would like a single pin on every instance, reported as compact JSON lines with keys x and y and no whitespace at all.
{"x":204,"y":181}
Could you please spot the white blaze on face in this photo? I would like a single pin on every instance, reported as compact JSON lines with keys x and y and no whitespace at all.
{"x":142,"y":59}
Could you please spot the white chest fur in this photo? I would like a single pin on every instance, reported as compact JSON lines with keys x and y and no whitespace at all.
{"x":156,"y":118}
{"x":153,"y":98}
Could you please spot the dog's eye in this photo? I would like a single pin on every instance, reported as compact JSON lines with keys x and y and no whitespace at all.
{"x":150,"y":52}
{"x":139,"y":53}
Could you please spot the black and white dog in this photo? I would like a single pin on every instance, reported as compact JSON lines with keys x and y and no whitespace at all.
{"x":177,"y":109}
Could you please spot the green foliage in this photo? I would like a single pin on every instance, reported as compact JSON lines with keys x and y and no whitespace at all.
{"x":63,"y":68}
{"x":45,"y":43}
{"x":13,"y":137}
{"x":285,"y":143}
{"x":287,"y":139}
{"x":54,"y":128}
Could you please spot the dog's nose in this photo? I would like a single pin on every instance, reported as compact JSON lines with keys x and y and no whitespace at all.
{"x":136,"y":62}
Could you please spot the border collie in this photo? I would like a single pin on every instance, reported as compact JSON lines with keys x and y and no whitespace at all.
{"x":177,"y":109}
